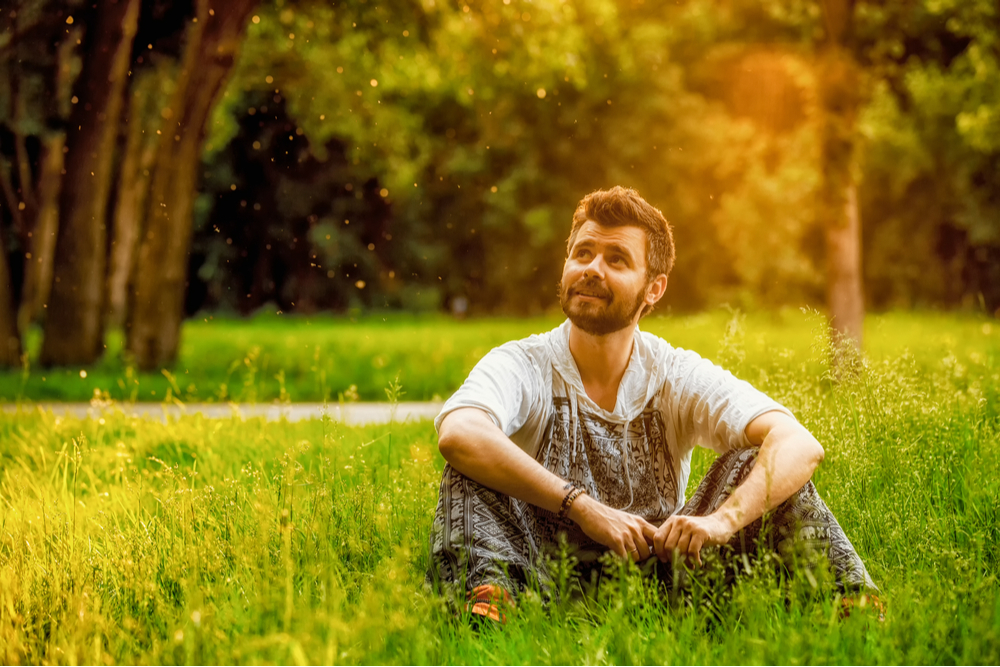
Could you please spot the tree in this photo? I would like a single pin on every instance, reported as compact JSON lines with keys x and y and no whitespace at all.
{"x":36,"y":46}
{"x":840,"y":85}
{"x":74,"y":329}
{"x":159,"y":279}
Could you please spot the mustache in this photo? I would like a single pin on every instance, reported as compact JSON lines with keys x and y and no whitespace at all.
{"x":591,"y":286}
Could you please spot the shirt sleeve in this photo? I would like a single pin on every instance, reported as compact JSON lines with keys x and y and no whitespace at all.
{"x":712,"y":407}
{"x":504,"y":385}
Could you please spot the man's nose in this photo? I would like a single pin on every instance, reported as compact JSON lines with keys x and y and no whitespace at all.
{"x":595,"y":267}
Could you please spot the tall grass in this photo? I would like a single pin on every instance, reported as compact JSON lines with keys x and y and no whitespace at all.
{"x":200,"y":541}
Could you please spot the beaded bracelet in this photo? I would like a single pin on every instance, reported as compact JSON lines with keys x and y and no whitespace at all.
{"x":567,"y":502}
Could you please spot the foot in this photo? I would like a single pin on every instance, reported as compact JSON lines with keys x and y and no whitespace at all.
{"x":489,"y":601}
{"x":865,"y":602}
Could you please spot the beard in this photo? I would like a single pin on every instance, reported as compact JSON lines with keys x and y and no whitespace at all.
{"x":599,"y":319}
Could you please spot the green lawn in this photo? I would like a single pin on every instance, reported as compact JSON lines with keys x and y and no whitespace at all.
{"x":321,"y":358}
{"x":243,"y":541}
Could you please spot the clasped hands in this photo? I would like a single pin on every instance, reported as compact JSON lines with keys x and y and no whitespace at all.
{"x":633,"y":537}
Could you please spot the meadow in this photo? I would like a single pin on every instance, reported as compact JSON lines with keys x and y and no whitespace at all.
{"x":243,"y":541}
{"x":327,"y":358}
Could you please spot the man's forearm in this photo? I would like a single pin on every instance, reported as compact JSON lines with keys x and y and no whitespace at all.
{"x":475,"y":447}
{"x":788,"y":457}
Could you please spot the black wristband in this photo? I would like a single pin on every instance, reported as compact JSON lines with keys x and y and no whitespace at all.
{"x":567,"y":502}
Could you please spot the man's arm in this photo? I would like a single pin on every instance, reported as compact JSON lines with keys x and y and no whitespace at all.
{"x":788,"y":456}
{"x":477,"y":448}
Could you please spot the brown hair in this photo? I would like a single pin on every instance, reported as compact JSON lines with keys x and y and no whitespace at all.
{"x":623,"y":206}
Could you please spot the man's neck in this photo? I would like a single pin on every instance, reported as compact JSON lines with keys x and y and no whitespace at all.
{"x":602,"y":361}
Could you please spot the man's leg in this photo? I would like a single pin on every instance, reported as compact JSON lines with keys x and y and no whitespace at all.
{"x":481,"y":538}
{"x":799,"y":529}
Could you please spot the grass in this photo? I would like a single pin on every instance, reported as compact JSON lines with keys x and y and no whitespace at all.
{"x":230,"y":541}
{"x":271,"y":358}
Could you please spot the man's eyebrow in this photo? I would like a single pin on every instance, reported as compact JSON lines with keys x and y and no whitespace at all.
{"x":621,"y":250}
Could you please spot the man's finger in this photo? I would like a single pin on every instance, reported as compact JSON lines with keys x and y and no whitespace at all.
{"x":658,"y":538}
{"x":661,"y":534}
{"x":684,"y":540}
{"x":673,"y":534}
{"x":694,"y":548}
{"x":648,"y":530}
{"x":666,"y":548}
{"x":641,"y":547}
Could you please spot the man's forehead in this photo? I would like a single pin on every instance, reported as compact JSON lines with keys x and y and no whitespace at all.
{"x":628,"y":236}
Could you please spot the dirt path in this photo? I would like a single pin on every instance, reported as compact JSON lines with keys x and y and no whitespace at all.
{"x":348,"y":413}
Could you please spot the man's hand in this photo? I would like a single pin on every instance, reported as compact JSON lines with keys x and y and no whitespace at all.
{"x":687,"y":535}
{"x":628,"y":535}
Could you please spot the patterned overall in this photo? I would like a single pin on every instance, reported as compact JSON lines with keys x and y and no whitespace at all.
{"x":480,"y":536}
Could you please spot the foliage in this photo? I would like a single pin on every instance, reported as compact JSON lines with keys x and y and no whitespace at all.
{"x":483,"y":128}
{"x":436,"y":105}
{"x":477,"y":126}
{"x":200,"y":541}
{"x":933,"y":158}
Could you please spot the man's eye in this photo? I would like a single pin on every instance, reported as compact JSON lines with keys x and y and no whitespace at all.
{"x":615,"y":259}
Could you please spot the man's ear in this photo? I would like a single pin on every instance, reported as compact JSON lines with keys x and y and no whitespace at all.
{"x":656,"y":289}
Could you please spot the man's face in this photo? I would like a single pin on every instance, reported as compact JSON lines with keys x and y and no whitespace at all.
{"x":604,"y":282}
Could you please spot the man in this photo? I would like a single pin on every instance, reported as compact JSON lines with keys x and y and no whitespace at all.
{"x":588,"y":430}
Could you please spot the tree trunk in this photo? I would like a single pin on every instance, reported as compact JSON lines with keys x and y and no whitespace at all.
{"x":74,"y":326}
{"x":156,"y":293}
{"x":10,"y":342}
{"x":841,"y":95}
{"x":133,"y":187}
{"x":845,"y":294}
{"x":38,"y":267}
